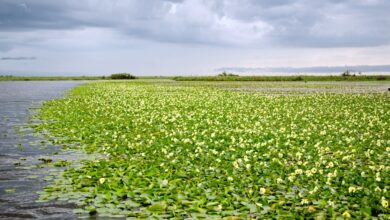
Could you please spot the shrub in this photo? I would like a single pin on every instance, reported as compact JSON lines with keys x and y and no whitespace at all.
{"x":298,"y":78}
{"x":381,"y":77}
{"x":346,"y":73}
{"x":122,"y":76}
{"x":227,"y":74}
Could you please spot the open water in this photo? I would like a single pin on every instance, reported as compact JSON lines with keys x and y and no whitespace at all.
{"x":22,"y":174}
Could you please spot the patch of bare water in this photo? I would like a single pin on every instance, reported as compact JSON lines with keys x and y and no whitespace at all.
{"x":23,"y":155}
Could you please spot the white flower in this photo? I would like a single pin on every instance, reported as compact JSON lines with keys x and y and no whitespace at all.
{"x":351,"y":189}
{"x":102,"y":180}
{"x":304,"y":201}
{"x":331,"y":203}
{"x":384,"y":203}
{"x":235,"y":164}
{"x":164,"y":183}
{"x":378,"y":178}
{"x":346,"y":214}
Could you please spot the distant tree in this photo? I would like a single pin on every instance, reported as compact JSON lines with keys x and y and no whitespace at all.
{"x":381,"y":78}
{"x":298,"y":78}
{"x":223,"y":74}
{"x":227,"y":74}
{"x":122,"y":76}
{"x":346,"y":73}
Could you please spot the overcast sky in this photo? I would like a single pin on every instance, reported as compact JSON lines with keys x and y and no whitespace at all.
{"x":174,"y":37}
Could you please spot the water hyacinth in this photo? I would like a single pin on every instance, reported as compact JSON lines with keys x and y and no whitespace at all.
{"x":204,"y":150}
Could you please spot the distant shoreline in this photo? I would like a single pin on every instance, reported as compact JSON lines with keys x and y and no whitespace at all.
{"x":211,"y":78}
{"x":49,"y":78}
{"x":285,"y":78}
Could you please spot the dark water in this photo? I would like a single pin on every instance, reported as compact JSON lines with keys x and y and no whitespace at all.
{"x":22,"y":174}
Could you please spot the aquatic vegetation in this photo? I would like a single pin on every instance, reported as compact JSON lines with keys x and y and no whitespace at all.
{"x":180,"y":150}
{"x":10,"y":190}
{"x":46,"y":160}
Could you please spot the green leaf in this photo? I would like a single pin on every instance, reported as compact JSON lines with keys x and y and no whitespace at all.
{"x":158,"y":207}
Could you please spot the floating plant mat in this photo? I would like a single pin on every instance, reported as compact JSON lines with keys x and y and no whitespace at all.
{"x":201,"y":151}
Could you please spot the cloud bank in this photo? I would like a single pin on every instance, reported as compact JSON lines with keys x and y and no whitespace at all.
{"x":18,"y":58}
{"x":197,"y":31}
{"x":326,"y":23}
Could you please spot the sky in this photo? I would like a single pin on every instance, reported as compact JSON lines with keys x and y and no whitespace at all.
{"x":192,"y":37}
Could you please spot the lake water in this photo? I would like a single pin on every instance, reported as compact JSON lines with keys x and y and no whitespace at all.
{"x":20,"y":151}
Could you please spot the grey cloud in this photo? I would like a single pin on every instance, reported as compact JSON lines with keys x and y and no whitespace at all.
{"x":18,"y":58}
{"x":297,"y":23}
{"x":20,"y":15}
{"x":4,"y":47}
{"x":330,"y":23}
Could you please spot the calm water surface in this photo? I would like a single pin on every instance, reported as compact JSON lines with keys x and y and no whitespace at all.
{"x":20,"y":151}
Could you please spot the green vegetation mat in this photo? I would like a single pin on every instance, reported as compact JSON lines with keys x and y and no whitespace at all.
{"x":182,"y":150}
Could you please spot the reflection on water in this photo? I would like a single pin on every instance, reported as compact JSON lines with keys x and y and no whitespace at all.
{"x":20,"y":151}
